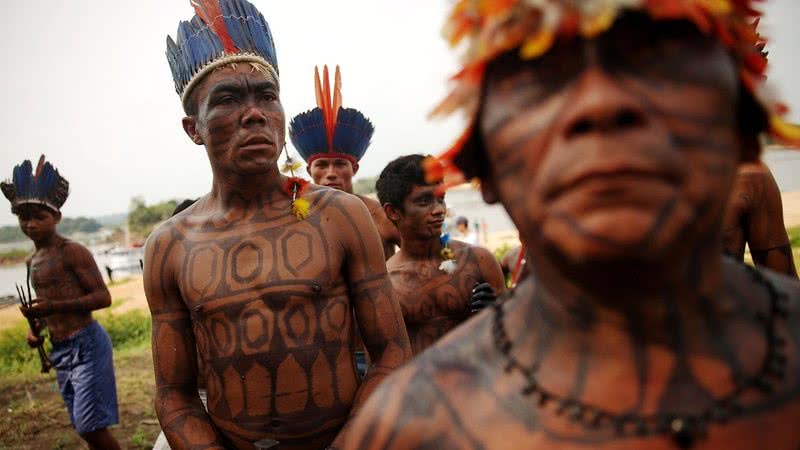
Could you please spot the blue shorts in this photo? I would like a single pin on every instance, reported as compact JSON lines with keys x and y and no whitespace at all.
{"x":85,"y":372}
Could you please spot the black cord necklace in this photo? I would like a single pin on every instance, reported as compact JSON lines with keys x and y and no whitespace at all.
{"x":685,"y":429}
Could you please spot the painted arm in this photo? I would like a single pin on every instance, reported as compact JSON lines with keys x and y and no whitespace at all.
{"x":80,"y":261}
{"x":765,"y":231}
{"x":177,"y":404}
{"x":378,"y":314}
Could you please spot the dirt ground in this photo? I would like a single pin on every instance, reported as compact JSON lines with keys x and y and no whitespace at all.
{"x":33,"y":416}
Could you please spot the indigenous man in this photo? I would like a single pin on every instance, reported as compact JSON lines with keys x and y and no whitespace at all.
{"x":334,"y":162}
{"x":438,"y":281}
{"x":260,"y":276}
{"x":611,"y":132}
{"x":69,"y":287}
{"x":755,"y":217}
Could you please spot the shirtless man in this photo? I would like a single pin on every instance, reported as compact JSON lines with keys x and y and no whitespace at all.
{"x":334,"y":163}
{"x":614,"y":151}
{"x":69,"y":287}
{"x":755,"y":217}
{"x":434,"y":298}
{"x":260,"y":277}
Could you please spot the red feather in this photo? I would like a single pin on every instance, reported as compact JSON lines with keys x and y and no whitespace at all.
{"x":210,"y":12}
{"x":328,"y":111}
{"x":39,"y":166}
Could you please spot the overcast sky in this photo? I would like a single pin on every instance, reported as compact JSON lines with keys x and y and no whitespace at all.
{"x":86,"y":82}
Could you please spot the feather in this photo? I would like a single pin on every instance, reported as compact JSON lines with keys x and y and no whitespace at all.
{"x":353,"y":133}
{"x":39,"y":166}
{"x":44,"y":185}
{"x":327,"y":113}
{"x":307,"y":133}
{"x":337,"y":94}
{"x":301,"y":208}
{"x":209,"y":11}
{"x":448,"y":266}
{"x":318,"y":89}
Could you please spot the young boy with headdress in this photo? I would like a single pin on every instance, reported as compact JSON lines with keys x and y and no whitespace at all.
{"x":68,"y":287}
{"x":332,"y":140}
{"x":611,"y":131}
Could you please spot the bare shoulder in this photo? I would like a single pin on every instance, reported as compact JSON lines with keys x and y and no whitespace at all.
{"x":420,"y":405}
{"x":373,"y":206}
{"x":75,"y":252}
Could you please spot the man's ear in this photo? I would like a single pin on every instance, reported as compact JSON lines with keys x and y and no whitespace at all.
{"x":57,"y":217}
{"x":391,"y":212}
{"x":489,"y":190}
{"x":355,"y":168}
{"x":190,"y":127}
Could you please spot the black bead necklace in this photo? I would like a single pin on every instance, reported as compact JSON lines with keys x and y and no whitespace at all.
{"x":685,"y":429}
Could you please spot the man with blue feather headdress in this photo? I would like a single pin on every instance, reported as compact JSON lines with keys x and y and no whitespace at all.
{"x":260,"y":279}
{"x":68,"y":287}
{"x":332,"y":140}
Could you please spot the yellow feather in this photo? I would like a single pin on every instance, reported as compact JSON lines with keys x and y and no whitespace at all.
{"x":537,"y":45}
{"x":301,"y":208}
{"x":785,"y":131}
{"x":291,"y":166}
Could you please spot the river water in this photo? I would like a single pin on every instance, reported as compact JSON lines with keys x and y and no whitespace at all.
{"x":124,"y":265}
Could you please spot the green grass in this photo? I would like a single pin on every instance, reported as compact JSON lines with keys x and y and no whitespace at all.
{"x":794,"y":238}
{"x":127,"y":331}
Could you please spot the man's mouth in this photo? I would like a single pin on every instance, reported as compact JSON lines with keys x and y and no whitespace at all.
{"x":258,"y":142}
{"x":614,"y":178}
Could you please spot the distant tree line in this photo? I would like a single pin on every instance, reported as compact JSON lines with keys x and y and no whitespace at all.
{"x":143,"y":218}
{"x":67,"y":227}
{"x":365,"y":186}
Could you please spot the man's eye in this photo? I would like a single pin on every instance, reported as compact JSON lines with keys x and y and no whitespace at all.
{"x":270,"y":96}
{"x":226,"y":100}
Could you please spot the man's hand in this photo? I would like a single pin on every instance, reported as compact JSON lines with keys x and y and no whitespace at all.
{"x":483,"y":295}
{"x":34,"y":340}
{"x":39,"y":308}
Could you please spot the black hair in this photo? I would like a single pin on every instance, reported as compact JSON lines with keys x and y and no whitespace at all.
{"x":183,"y":205}
{"x":398,"y":179}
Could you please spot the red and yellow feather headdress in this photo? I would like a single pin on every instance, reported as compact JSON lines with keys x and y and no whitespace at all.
{"x":493,"y":27}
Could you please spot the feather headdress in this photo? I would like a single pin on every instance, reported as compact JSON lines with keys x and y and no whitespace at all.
{"x":493,"y":27}
{"x":222,"y":32}
{"x":45,"y":186}
{"x":330,"y":131}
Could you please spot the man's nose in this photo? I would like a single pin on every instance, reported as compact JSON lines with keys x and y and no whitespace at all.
{"x":253,"y":115}
{"x":601,"y":106}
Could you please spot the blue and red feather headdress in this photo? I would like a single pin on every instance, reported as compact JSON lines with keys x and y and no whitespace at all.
{"x":222,"y":32}
{"x":330,"y":131}
{"x":44,"y":187}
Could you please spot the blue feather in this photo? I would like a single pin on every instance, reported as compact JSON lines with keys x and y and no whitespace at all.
{"x":307,"y":133}
{"x":196,"y":45}
{"x":47,"y":187}
{"x":353,"y":133}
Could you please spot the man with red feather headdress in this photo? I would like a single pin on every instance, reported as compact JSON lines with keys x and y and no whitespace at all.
{"x":261,"y":278}
{"x":332,"y":140}
{"x":611,"y":131}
